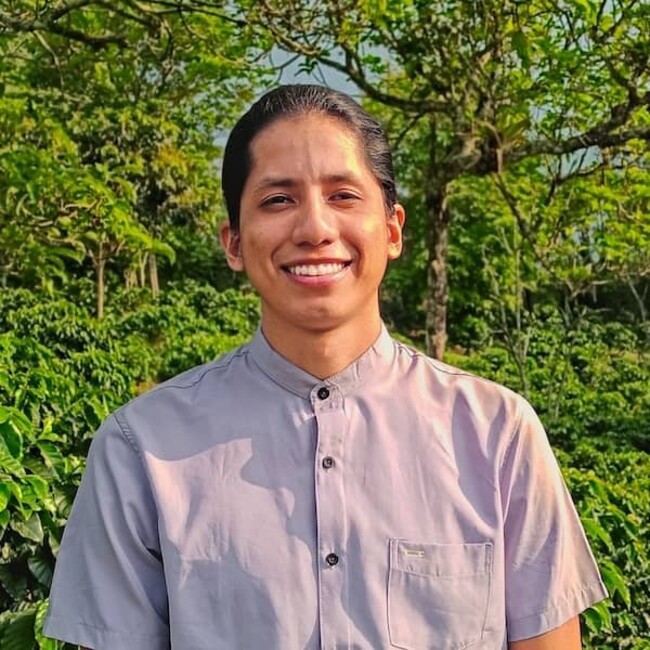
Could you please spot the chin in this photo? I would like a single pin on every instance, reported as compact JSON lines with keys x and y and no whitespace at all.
{"x":321,"y":322}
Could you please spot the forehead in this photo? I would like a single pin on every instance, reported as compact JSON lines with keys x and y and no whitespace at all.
{"x":306,"y":144}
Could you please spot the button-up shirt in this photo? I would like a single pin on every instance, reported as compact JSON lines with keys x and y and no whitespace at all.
{"x":246,"y":504}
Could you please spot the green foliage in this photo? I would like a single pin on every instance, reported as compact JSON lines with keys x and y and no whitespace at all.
{"x":589,"y":381}
{"x":107,"y":143}
{"x":611,"y":490}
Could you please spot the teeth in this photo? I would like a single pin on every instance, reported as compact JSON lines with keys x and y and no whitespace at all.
{"x":316,"y":269}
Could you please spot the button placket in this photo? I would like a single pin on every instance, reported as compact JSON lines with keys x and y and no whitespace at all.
{"x":331,"y":516}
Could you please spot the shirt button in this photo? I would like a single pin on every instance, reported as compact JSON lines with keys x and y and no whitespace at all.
{"x":328,"y":462}
{"x":323,"y":393}
{"x":332,"y":559}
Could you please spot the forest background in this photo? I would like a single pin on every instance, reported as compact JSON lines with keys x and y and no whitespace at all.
{"x":521,"y":135}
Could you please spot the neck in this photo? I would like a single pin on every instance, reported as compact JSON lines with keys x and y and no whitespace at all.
{"x":322,"y":353}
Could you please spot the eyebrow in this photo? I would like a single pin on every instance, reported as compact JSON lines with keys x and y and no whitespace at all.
{"x":271,"y":181}
{"x":268,"y":182}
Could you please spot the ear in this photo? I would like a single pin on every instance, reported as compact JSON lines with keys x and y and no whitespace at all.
{"x":231,"y":244}
{"x":394,"y":227}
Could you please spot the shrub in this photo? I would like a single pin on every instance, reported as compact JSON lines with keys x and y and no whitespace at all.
{"x":611,"y":490}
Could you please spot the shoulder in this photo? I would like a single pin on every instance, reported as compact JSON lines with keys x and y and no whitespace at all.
{"x":458,"y":388}
{"x":193,"y":378}
{"x":178,"y":406}
{"x":481,"y":413}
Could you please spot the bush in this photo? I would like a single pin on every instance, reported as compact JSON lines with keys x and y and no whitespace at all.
{"x":611,"y":490}
{"x":588,"y":382}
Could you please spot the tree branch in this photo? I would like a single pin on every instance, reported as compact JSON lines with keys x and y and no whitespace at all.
{"x":601,"y":135}
{"x":596,"y":137}
{"x":67,"y":7}
{"x":526,"y":231}
{"x":351,"y":65}
{"x":94,"y":41}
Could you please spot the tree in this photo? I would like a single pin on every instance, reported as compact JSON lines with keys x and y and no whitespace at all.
{"x":111,"y":120}
{"x":492,"y":83}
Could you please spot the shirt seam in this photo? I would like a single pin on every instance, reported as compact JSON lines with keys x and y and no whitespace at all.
{"x":456,"y":372}
{"x":556,"y":605}
{"x":215,"y":365}
{"x":120,"y":417}
{"x":90,"y":626}
{"x":126,"y":432}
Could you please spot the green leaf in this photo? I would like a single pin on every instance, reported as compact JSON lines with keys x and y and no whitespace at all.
{"x":41,"y":570}
{"x":596,"y":531}
{"x":30,"y":529}
{"x":521,"y":46}
{"x":8,"y":463}
{"x":615,"y":580}
{"x":598,"y":617}
{"x":12,"y":438}
{"x":41,"y":613}
{"x":5,"y":495}
{"x":52,"y":456}
{"x":19,"y":631}
{"x":39,"y":486}
{"x":4,"y":520}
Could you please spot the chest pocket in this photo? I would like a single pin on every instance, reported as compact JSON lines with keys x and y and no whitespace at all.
{"x":438,"y":594}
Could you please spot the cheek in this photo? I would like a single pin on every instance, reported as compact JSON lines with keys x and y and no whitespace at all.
{"x":259,"y":237}
{"x":371,"y":236}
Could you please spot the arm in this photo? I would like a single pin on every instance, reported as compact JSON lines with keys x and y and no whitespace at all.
{"x":108,"y":589}
{"x":550,"y":572}
{"x":565,"y":637}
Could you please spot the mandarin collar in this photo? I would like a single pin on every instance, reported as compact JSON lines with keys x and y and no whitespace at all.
{"x":299,"y":381}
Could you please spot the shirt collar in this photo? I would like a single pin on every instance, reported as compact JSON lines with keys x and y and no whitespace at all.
{"x":300,"y":382}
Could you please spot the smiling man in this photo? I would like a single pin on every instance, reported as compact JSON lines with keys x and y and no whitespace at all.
{"x":322,"y":486}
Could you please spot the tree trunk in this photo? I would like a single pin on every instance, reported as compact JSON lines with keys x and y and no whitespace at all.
{"x":437,"y":284}
{"x":99,"y":267}
{"x":153,"y":275}
{"x":640,"y":300}
{"x":130,"y":281}
{"x":142,"y":262}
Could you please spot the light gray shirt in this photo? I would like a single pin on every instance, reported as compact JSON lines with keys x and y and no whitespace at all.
{"x":246,"y":504}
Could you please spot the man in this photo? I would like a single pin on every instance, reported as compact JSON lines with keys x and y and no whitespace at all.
{"x":322,"y":486}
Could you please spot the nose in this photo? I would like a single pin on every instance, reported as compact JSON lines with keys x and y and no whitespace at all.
{"x":315,"y":225}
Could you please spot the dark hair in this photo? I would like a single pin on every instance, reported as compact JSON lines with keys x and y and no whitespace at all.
{"x":293,"y":100}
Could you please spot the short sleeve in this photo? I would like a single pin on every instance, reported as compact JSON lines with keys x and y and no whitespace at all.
{"x":550,"y":572}
{"x":109,"y":589}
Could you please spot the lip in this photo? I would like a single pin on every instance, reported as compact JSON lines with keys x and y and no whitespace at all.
{"x":315,"y":261}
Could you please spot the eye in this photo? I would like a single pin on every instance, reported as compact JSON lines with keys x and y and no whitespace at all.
{"x":345,"y":196}
{"x":276,"y":200}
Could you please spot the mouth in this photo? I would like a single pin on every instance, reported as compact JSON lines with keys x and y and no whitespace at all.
{"x":316,"y":270}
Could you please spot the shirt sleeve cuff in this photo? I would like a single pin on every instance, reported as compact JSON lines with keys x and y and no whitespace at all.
{"x":552,"y":617}
{"x":98,"y":638}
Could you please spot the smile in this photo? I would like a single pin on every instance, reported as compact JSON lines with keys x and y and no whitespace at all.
{"x":316,"y":269}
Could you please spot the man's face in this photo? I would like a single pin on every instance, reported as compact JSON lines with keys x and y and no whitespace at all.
{"x":314,"y":236}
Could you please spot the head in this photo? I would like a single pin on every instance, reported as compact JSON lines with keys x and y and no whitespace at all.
{"x":293,"y":101}
{"x":313,"y":221}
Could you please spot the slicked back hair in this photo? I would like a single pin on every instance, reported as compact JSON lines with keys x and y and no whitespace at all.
{"x":293,"y":101}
